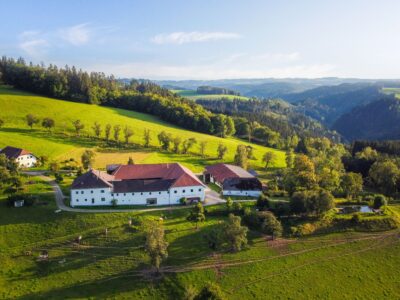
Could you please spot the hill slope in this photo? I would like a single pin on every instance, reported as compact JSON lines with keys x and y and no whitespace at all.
{"x":63,"y":144}
{"x":377,"y":120}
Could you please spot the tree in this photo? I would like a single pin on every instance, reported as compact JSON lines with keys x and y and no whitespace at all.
{"x":128,"y":132}
{"x":48,"y":123}
{"x":97,"y":129}
{"x":164,"y":140}
{"x":197,"y":214}
{"x":176,"y":141}
{"x":87,"y":159}
{"x":156,"y":246}
{"x":385,"y":175}
{"x":351,"y":184}
{"x":235,"y":233}
{"x":229,"y":204}
{"x":270,"y":224}
{"x":188,"y":144}
{"x":31,"y":120}
{"x":210,"y":292}
{"x":241,"y":158}
{"x":54,"y":166}
{"x":130,"y":161}
{"x":311,"y":202}
{"x":379,"y":201}
{"x":117,"y":130}
{"x":203,"y":145}
{"x":222,"y":149}
{"x":269,"y":158}
{"x":214,"y":238}
{"x":289,"y":158}
{"x":1,"y":123}
{"x":107,"y":132}
{"x":78,"y":126}
{"x":146,"y":138}
{"x":230,"y":126}
{"x":262,"y":202}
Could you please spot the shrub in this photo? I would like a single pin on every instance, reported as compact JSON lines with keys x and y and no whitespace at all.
{"x":263,"y":202}
{"x":183,"y":201}
{"x":59,"y":177}
{"x":114,"y":202}
{"x":237,"y":207}
{"x":379,"y":201}
{"x":210,"y":291}
{"x":356,"y":219}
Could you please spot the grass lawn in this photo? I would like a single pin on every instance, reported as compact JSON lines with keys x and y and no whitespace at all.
{"x":193,"y":95}
{"x":335,"y":266}
{"x":63,"y":144}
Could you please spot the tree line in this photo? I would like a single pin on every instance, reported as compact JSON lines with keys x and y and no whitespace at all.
{"x":71,"y":84}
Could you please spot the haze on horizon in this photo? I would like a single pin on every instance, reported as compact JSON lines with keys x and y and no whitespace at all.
{"x":208,"y":39}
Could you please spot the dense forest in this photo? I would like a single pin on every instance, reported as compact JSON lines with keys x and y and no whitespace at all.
{"x":277,"y":115}
{"x":210,"y":90}
{"x":71,"y":84}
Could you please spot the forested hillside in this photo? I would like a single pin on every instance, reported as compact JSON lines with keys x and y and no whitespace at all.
{"x":377,"y":120}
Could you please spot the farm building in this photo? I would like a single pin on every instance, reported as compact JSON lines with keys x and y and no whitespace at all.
{"x":145,"y":184}
{"x":233,"y":180}
{"x":24,"y":158}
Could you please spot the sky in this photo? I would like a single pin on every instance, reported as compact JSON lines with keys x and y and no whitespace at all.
{"x":206,"y":39}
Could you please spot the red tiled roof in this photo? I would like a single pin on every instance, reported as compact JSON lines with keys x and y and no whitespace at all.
{"x":181,"y":175}
{"x":223,"y":171}
{"x":12,"y":152}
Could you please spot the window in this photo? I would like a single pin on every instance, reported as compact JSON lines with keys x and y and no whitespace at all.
{"x":191,"y":190}
{"x":150,"y":193}
{"x":124,"y":194}
{"x":159,"y":193}
{"x":81,"y":192}
{"x":103,"y":199}
{"x":117,"y":194}
{"x":102,"y":191}
{"x":199,"y":190}
{"x":91,"y":192}
{"x":183,"y":191}
{"x":112,"y":194}
{"x":151,"y":201}
{"x":77,"y":200}
{"x":175,"y":192}
{"x":141,"y":193}
{"x":86,"y":200}
{"x":133,"y":194}
{"x":77,"y":192}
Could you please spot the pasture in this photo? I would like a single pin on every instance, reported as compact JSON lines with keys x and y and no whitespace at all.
{"x":63,"y":143}
{"x":193,"y":95}
{"x":333,"y":266}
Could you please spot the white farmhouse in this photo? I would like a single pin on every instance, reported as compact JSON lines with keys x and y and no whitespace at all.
{"x":233,"y":180}
{"x":145,"y":184}
{"x":24,"y":158}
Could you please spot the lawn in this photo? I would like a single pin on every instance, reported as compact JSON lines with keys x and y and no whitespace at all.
{"x":335,"y":266}
{"x":193,"y":95}
{"x":63,"y":144}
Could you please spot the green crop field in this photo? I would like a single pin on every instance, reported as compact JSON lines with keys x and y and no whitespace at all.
{"x":63,"y":144}
{"x":335,"y":266}
{"x":389,"y":91}
{"x":193,"y":95}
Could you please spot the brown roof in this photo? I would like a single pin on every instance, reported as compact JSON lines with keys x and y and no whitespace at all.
{"x":223,"y":171}
{"x":179,"y":175}
{"x":93,"y":179}
{"x":12,"y":152}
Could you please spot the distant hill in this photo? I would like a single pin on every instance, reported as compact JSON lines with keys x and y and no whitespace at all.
{"x":211,"y":90}
{"x":378,"y":120}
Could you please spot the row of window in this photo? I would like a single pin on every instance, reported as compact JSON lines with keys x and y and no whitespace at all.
{"x":117,"y":194}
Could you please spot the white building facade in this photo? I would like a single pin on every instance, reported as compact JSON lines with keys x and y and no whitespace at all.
{"x":97,"y":188}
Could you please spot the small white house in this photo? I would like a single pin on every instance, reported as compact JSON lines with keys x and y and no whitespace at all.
{"x":233,"y":180}
{"x":24,"y":158}
{"x":145,"y":184}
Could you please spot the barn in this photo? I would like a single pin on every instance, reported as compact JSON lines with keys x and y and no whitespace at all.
{"x":233,"y":180}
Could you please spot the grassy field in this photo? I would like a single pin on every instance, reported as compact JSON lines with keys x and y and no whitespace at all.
{"x":63,"y":144}
{"x":335,"y":266}
{"x":193,"y":95}
{"x":389,"y":91}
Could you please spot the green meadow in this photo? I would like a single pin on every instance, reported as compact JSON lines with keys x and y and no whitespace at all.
{"x":390,"y":91}
{"x":193,"y":95}
{"x":63,"y":143}
{"x":334,"y":266}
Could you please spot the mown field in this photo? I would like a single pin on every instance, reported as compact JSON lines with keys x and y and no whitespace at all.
{"x":193,"y":95}
{"x":64,"y":144}
{"x":335,"y":266}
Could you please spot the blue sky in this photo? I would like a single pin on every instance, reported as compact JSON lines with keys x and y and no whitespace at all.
{"x":208,"y":39}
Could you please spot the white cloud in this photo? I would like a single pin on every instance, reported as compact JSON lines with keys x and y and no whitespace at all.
{"x":33,"y":43}
{"x":213,"y":71}
{"x":76,"y":35}
{"x":193,"y":37}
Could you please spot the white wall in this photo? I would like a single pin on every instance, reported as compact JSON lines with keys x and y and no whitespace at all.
{"x":241,"y":193}
{"x":27,"y":160}
{"x":94,"y":197}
